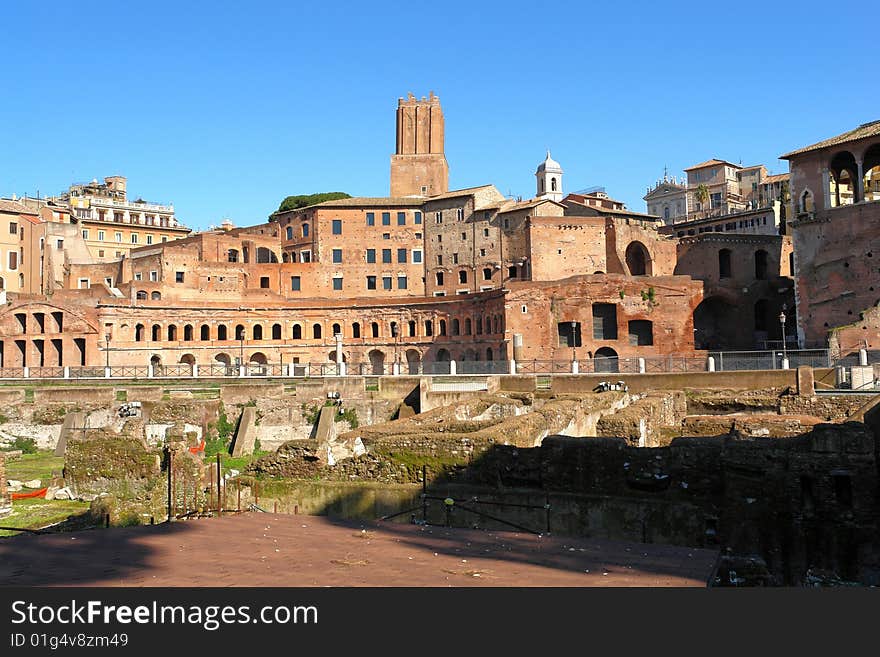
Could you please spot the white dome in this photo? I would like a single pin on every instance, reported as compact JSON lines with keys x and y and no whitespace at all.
{"x":549,"y":164}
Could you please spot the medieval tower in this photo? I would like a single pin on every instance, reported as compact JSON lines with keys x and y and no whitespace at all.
{"x":419,"y":167}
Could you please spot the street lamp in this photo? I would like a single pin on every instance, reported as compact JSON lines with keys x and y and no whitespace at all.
{"x":573,"y":341}
{"x":107,"y":337}
{"x":782,"y":321}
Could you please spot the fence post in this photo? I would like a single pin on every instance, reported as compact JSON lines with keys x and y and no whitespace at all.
{"x":863,"y":357}
{"x":106,"y":372}
{"x":195,"y":370}
{"x":342,"y":368}
{"x":512,"y":366}
{"x":642,"y":366}
{"x":574,"y":367}
{"x":242,"y":370}
{"x":290,"y":371}
{"x":395,"y":368}
{"x":26,"y":371}
{"x":785,"y":363}
{"x":149,"y":371}
{"x":711,"y":364}
{"x":452,"y":369}
{"x":67,"y":371}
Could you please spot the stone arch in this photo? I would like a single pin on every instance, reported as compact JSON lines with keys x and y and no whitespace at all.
{"x":356,"y":329}
{"x":605,"y":360}
{"x":223,"y":359}
{"x":188,"y":333}
{"x":156,"y":333}
{"x":413,"y":361}
{"x":871,"y":173}
{"x":807,"y":202}
{"x":374,"y":329}
{"x":172,"y":333}
{"x":258,"y":357}
{"x":139,"y":333}
{"x":467,"y":326}
{"x":316,"y":331}
{"x":377,"y":361}
{"x":442,"y":330}
{"x":331,"y":356}
{"x":843,"y":172}
{"x":411,"y":328}
{"x":239,"y":332}
{"x":188,"y":359}
{"x":257,"y":331}
{"x":265,"y":255}
{"x":715,"y":322}
{"x":276,"y":331}
{"x":638,"y":260}
{"x":489,"y":355}
{"x":725,"y":269}
{"x":296,"y":332}
{"x":204,"y":333}
{"x":222,"y":332}
{"x":337,"y":329}
{"x":156,"y":360}
{"x":443,"y":356}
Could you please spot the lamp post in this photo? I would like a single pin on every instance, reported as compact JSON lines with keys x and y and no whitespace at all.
{"x":107,"y":337}
{"x":782,"y":322}
{"x":573,"y":341}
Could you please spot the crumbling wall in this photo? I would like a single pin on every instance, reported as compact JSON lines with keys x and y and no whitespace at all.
{"x":5,"y":497}
{"x":642,"y":423}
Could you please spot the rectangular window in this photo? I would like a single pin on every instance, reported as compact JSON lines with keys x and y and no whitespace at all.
{"x":100,"y":235}
{"x":137,"y":276}
{"x":463,"y":237}
{"x":154,"y":276}
{"x":84,"y":284}
{"x":401,"y":282}
{"x":386,"y":282}
{"x":438,"y":217}
{"x":101,"y":255}
{"x":418,"y":236}
{"x":386,"y":236}
{"x":371,"y":282}
{"x":604,"y":321}
{"x":459,"y":214}
{"x":454,"y":258}
{"x":85,"y":233}
{"x":164,"y":239}
{"x":13,"y":260}
{"x":13,"y":228}
{"x":134,"y":238}
{"x":386,"y":255}
{"x":640,"y":333}
{"x":337,"y":227}
{"x":337,"y":282}
{"x":482,"y":252}
{"x":485,"y":232}
{"x":337,"y":256}
{"x":149,"y":239}
{"x":386,"y":218}
{"x":118,"y":237}
{"x":417,"y":217}
{"x":401,"y":256}
{"x":401,"y":218}
{"x":59,"y":244}
{"x":305,"y":256}
{"x":264,"y":282}
{"x":569,"y":334}
{"x":439,"y":239}
{"x":371,"y":218}
{"x":440,"y":260}
{"x":178,"y":277}
{"x":371,"y":255}
{"x":295,"y":283}
{"x":417,"y":256}
{"x":439,"y":294}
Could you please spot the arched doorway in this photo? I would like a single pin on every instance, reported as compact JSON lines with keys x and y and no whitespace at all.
{"x":871,"y":169}
{"x":843,"y":171}
{"x":156,"y":363}
{"x":413,"y":361}
{"x":605,"y":360}
{"x":638,"y":260}
{"x":257,"y":364}
{"x":443,"y":356}
{"x":188,"y":359}
{"x":377,"y":362}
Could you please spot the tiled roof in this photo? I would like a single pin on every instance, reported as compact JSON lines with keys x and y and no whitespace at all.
{"x":7,"y":205}
{"x":366,"y":201}
{"x":467,"y":191}
{"x":779,"y":177}
{"x":871,"y":129}
{"x":524,"y":205}
{"x":710,"y":163}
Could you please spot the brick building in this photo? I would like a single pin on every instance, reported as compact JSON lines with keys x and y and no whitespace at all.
{"x":835,"y":185}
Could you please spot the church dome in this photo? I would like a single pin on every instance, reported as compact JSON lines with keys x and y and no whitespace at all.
{"x":549,"y":165}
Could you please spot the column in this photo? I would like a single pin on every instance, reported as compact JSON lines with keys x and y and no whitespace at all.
{"x":825,"y":192}
{"x":860,"y":183}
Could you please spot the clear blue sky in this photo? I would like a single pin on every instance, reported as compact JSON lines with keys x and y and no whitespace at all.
{"x":225,"y":108}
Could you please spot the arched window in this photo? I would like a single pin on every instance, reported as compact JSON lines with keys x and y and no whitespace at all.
{"x":412,"y":329}
{"x":356,"y":330}
{"x":156,"y":296}
{"x":724,"y":270}
{"x":429,"y":327}
{"x":439,"y":276}
{"x":487,"y":274}
{"x":462,"y":276}
{"x":467,"y":325}
{"x":374,"y":329}
{"x":239,"y":332}
{"x":297,"y":332}
{"x":289,"y":232}
{"x":276,"y":331}
{"x":456,"y":327}
{"x":2,"y":283}
{"x":141,"y":295}
{"x":807,"y":202}
{"x":305,"y":230}
{"x":188,"y":333}
{"x":258,"y":332}
{"x":761,"y":264}
{"x":442,"y":327}
{"x":205,"y":333}
{"x":232,"y":255}
{"x":172,"y":333}
{"x":479,"y":325}
{"x":666,"y":213}
{"x":156,"y":333}
{"x":553,"y":184}
{"x":139,"y":333}
{"x":316,"y":331}
{"x":221,"y":332}
{"x":394,"y":331}
{"x":337,"y":329}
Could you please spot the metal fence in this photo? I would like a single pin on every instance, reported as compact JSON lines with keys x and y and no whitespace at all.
{"x":719,"y":361}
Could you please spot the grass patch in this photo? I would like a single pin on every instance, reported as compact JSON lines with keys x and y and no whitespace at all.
{"x":122,"y":395}
{"x":40,"y":466}
{"x":37,"y":513}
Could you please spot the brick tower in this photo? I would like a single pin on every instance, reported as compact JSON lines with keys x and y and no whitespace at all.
{"x":419,"y":167}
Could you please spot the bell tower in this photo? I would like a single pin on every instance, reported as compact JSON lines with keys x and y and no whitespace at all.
{"x":549,"y":175}
{"x":419,"y":167}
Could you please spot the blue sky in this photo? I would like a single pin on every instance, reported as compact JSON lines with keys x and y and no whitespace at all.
{"x":225,"y":108}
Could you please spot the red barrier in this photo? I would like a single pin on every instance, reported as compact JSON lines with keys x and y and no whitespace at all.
{"x":200,"y":448}
{"x":25,"y":496}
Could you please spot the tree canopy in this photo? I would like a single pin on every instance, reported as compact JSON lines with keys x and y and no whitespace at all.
{"x":303,"y":200}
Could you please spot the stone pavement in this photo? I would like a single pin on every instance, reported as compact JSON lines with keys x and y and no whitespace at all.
{"x":265,"y":549}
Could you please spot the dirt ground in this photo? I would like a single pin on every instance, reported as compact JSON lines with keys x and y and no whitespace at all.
{"x":265,"y":549}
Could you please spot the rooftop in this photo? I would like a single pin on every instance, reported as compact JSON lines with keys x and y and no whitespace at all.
{"x":14,"y":207}
{"x":871,"y":129}
{"x":712,"y":163}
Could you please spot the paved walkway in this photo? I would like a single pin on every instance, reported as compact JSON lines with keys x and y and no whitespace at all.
{"x":264,"y":549}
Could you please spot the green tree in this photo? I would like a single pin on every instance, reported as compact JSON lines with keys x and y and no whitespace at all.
{"x":702,"y":195}
{"x":304,"y":200}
